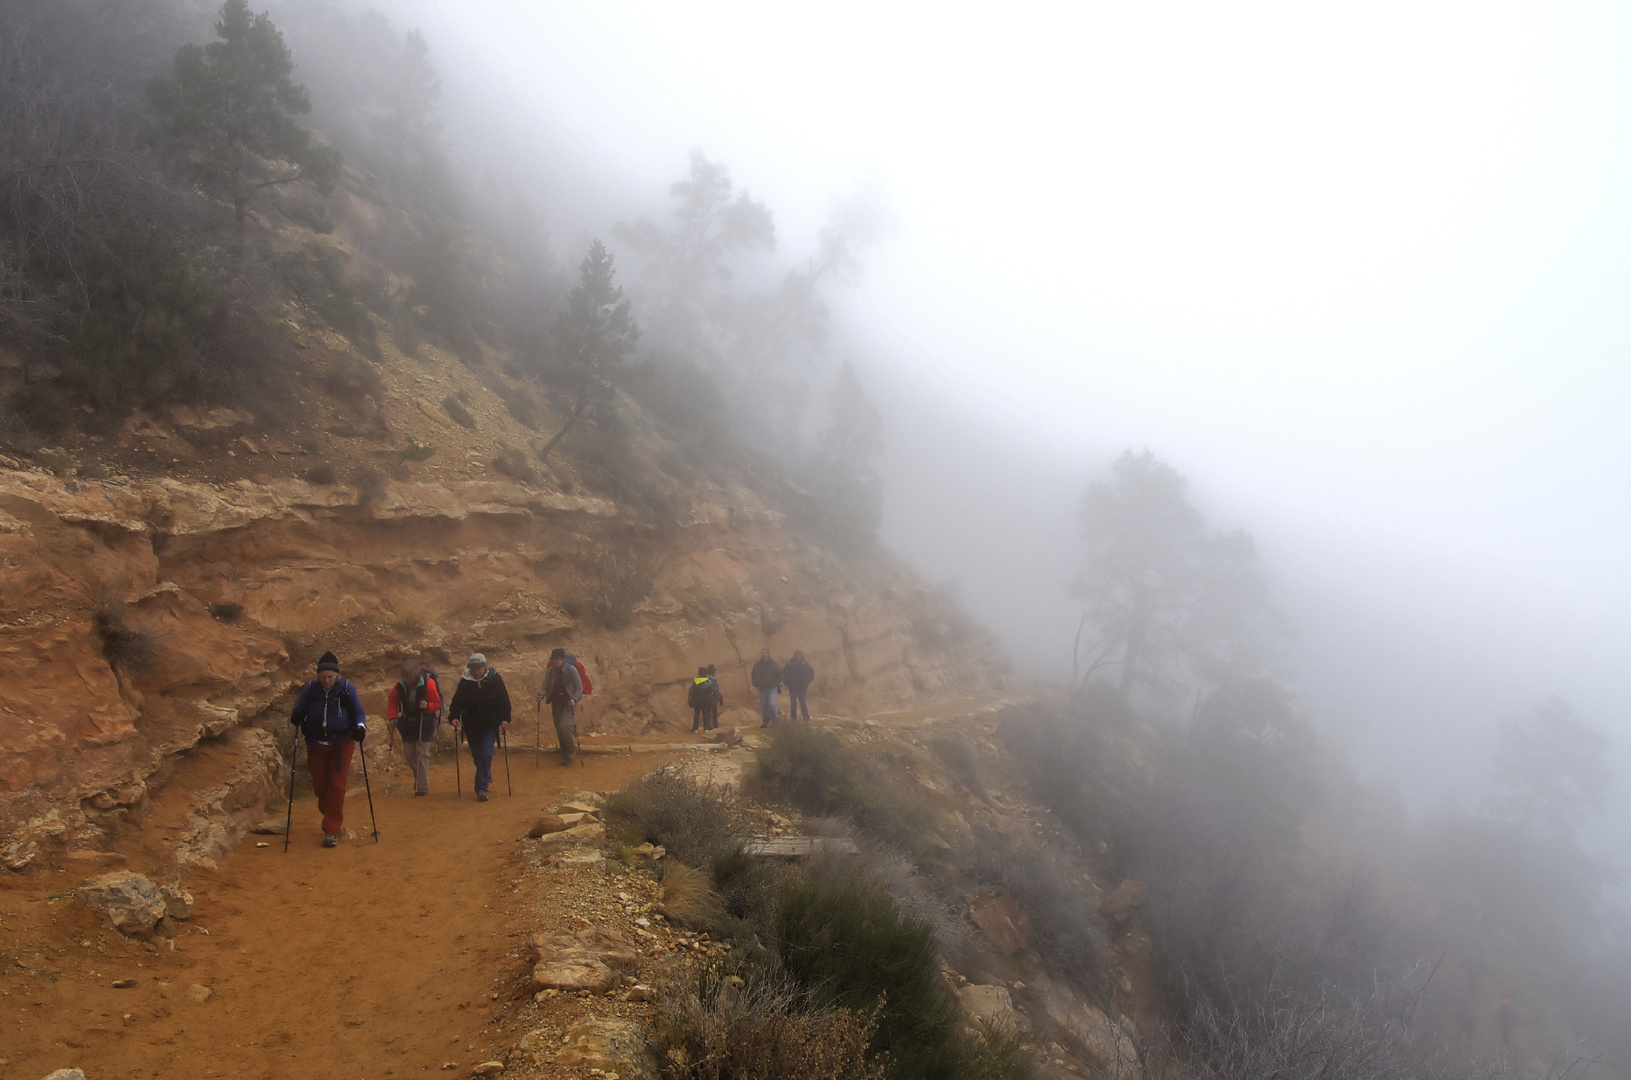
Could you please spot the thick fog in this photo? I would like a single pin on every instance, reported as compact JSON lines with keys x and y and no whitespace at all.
{"x":1361,"y":276}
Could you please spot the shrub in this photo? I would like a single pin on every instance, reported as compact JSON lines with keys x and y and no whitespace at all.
{"x":370,"y":483}
{"x":519,"y":404}
{"x":694,"y":822}
{"x":322,"y":474}
{"x":315,"y":274}
{"x":719,"y":1026}
{"x":615,"y":584}
{"x":38,"y":408}
{"x":850,"y":946}
{"x":814,"y":771}
{"x":959,"y":756}
{"x":126,"y":648}
{"x":227,"y":612}
{"x":460,"y":415}
{"x":513,"y":463}
{"x":417,"y":451}
{"x":688,"y":898}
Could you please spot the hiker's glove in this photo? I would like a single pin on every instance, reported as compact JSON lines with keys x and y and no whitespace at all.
{"x":359,"y":734}
{"x":295,"y":720}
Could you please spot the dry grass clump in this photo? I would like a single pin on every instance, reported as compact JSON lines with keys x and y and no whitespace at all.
{"x":322,"y":474}
{"x":719,"y":1026}
{"x":694,"y":822}
{"x":370,"y":483}
{"x":458,"y":413}
{"x":688,"y":895}
{"x":513,"y":463}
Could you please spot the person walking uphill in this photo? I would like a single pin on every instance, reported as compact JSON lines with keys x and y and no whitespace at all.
{"x":767,"y":676}
{"x":563,"y":689}
{"x":798,"y":675}
{"x":482,"y":705}
{"x":414,"y":702}
{"x":330,"y":717}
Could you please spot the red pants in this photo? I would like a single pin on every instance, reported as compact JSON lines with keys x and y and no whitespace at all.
{"x":329,"y":766}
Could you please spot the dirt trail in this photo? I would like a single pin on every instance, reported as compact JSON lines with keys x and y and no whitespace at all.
{"x":371,"y":960}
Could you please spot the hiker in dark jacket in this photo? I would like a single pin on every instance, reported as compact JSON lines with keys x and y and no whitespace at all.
{"x":699,"y":696}
{"x":329,"y":714}
{"x":414,"y":702}
{"x":717,"y":698}
{"x":798,"y":675}
{"x":767,"y":676}
{"x":563,"y":689}
{"x":482,"y":705}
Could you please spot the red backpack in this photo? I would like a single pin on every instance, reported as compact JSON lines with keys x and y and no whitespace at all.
{"x":583,"y":676}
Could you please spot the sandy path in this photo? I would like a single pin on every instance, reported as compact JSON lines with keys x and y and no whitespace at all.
{"x":370,"y":960}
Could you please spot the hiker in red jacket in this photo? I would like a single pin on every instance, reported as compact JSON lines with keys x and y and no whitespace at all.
{"x":415,"y":704}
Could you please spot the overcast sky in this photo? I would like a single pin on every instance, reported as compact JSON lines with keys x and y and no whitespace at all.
{"x":1359,"y":271}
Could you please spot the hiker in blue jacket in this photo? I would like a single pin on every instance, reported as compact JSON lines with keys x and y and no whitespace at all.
{"x":329,"y":714}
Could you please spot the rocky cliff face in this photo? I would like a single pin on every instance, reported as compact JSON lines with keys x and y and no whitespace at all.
{"x":143,"y":617}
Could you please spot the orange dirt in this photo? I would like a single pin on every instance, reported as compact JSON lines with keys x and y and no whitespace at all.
{"x":372,"y":960}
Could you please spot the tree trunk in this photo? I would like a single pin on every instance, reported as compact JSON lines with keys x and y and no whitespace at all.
{"x":577,"y":411}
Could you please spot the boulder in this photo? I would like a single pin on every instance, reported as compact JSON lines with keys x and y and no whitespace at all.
{"x":549,"y":823}
{"x":178,"y":902}
{"x":988,"y":1005}
{"x":608,"y":1045}
{"x":133,"y":903}
{"x":67,"y":1074}
{"x":1119,"y":906}
{"x":586,"y":960}
{"x":1107,"y":1044}
{"x":1003,"y":922}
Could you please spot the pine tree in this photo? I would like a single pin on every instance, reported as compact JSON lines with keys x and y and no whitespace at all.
{"x":232,"y":104}
{"x":591,"y":337}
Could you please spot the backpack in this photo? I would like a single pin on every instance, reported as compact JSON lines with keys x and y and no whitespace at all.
{"x":583,"y":676}
{"x":699,"y":695}
{"x":428,"y":673}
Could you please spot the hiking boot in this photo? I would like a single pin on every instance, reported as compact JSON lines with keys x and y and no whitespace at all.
{"x":331,"y":841}
{"x":421,"y":793}
{"x":481,"y":796}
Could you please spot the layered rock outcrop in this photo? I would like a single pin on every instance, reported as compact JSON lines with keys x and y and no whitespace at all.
{"x":142,"y":617}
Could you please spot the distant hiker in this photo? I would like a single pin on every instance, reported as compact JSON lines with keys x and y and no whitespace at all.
{"x":563,"y":689}
{"x":482,"y":704}
{"x":329,"y":714}
{"x":700,"y":696}
{"x":767,"y":676}
{"x":798,"y":675}
{"x":415,"y":703}
{"x":711,"y":721}
{"x":1506,"y":1018}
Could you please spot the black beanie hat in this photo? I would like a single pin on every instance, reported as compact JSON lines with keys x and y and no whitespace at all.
{"x":328,"y":662}
{"x":702,"y":672}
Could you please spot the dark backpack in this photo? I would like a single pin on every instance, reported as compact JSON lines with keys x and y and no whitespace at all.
{"x":699,"y":695}
{"x":428,"y":673}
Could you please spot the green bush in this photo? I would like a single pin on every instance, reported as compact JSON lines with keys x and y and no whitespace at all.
{"x":850,"y":946}
{"x":814,"y":771}
{"x":315,"y":274}
{"x":459,"y":414}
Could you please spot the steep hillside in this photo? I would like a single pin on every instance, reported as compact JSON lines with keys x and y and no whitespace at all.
{"x":174,"y":573}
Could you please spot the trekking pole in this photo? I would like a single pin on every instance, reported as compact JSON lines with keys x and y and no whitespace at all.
{"x":288,"y":822}
{"x":537,"y":733}
{"x":505,"y":742}
{"x":458,"y":736}
{"x":371,"y":820}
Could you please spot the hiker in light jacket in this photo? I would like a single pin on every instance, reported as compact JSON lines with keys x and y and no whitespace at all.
{"x":563,"y":689}
{"x":482,"y":705}
{"x":767,"y":676}
{"x":414,"y":702}
{"x":329,"y":714}
{"x":798,"y":675}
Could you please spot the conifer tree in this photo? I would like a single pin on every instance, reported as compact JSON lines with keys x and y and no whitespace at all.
{"x":232,"y":104}
{"x":591,"y":337}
